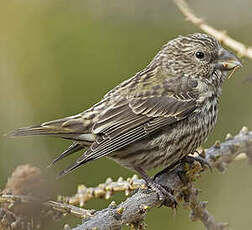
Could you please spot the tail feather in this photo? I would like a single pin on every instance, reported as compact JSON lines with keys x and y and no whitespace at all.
{"x":57,"y":127}
{"x":74,"y":147}
{"x":34,"y":130}
{"x":74,"y":166}
{"x":69,"y":169}
{"x":76,"y":128}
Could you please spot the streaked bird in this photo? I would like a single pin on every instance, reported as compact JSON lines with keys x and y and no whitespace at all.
{"x":155,"y":118}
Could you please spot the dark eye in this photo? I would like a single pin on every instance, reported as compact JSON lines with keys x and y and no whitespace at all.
{"x":199,"y":55}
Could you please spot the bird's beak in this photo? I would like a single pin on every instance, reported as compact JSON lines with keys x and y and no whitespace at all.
{"x":227,"y":60}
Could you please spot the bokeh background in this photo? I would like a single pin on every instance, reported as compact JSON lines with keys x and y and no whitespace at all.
{"x":59,"y":57}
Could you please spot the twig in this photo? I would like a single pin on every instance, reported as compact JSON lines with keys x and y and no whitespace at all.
{"x":133,"y":209}
{"x":239,"y":47}
{"x":62,"y":208}
{"x":70,"y":209}
{"x":104,"y":190}
{"x":199,"y":212}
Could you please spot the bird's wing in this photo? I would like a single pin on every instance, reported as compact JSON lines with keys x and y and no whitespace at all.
{"x":139,"y":114}
{"x":74,"y":127}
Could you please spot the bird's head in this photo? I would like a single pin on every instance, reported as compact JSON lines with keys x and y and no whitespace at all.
{"x":200,"y":56}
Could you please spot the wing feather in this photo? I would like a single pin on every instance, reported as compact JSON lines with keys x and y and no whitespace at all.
{"x":136,"y":116}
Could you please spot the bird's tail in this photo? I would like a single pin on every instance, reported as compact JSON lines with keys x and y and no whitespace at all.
{"x":74,"y":147}
{"x":65,"y":128}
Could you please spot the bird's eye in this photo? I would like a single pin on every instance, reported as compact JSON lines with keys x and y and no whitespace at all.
{"x":199,"y":55}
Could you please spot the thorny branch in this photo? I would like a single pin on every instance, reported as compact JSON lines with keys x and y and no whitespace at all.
{"x":133,"y":210}
{"x":104,"y":190}
{"x":239,"y":47}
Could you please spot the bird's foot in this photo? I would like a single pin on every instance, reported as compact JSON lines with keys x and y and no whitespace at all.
{"x":164,"y":193}
{"x":203,"y":162}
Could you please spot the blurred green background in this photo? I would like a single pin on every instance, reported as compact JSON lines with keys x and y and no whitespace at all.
{"x":57,"y":58}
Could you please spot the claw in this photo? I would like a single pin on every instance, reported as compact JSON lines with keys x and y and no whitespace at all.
{"x":164,"y":193}
{"x":203,"y":162}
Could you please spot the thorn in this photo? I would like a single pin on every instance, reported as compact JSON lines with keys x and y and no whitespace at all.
{"x":81,"y":188}
{"x":112,"y":204}
{"x":109,"y":187}
{"x":244,"y":130}
{"x":127,"y":192}
{"x":217,"y":144}
{"x":90,"y":191}
{"x":228,"y":136}
{"x":120,"y":210}
{"x":108,"y":195}
{"x":66,"y":227}
{"x":120,"y":179}
{"x":202,"y":152}
{"x":109,"y":180}
{"x":135,"y":177}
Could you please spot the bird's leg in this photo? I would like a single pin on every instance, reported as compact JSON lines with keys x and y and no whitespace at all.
{"x":181,"y":173}
{"x":189,"y":160}
{"x":203,"y":162}
{"x":167,"y":169}
{"x":163,"y":192}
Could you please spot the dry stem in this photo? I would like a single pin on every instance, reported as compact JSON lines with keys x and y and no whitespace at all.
{"x":239,"y":47}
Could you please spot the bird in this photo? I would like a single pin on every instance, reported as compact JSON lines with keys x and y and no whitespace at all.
{"x":155,"y":118}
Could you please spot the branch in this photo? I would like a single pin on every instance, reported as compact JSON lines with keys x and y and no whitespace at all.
{"x":14,"y":211}
{"x":239,"y":47}
{"x":133,"y":210}
{"x":199,"y":212}
{"x":105,"y":190}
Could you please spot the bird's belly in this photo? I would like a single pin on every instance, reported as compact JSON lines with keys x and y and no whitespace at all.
{"x":171,"y":143}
